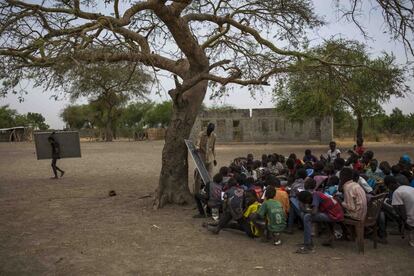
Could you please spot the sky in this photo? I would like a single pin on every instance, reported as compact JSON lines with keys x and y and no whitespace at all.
{"x":40,"y":101}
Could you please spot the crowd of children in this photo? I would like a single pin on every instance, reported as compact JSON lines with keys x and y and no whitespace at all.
{"x":267,"y":197}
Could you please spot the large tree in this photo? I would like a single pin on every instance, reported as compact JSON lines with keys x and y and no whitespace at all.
{"x":361,"y":89}
{"x":221,"y":41}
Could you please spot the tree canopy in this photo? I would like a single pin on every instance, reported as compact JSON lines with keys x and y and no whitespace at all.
{"x":108,"y":87}
{"x":11,"y":118}
{"x":361,"y":89}
{"x":132,"y":117}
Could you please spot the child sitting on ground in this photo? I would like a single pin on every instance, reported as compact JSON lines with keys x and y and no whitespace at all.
{"x":272,"y":211}
{"x":210,"y":197}
{"x":233,"y":208}
{"x":354,"y":162}
{"x":374,"y":174}
{"x":333,"y":152}
{"x":359,"y":147}
{"x":252,"y":206}
{"x":332,"y":184}
{"x":258,"y":189}
{"x":309,"y":157}
{"x":281,"y":195}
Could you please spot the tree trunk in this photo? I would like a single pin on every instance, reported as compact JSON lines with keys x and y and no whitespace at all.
{"x":109,"y":137}
{"x":108,"y":133}
{"x":173,"y":183}
{"x":360,"y":125}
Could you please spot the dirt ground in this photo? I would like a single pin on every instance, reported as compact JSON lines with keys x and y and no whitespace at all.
{"x":71,"y":227}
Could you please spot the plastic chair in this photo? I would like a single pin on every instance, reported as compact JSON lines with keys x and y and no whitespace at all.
{"x":373,"y":211}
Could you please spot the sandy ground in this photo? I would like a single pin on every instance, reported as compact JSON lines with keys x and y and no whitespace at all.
{"x":71,"y":227}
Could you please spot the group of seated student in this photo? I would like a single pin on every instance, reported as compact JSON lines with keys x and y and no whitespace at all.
{"x":267,"y":197}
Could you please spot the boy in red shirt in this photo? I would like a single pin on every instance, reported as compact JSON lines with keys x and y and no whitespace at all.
{"x":324,"y":209}
{"x":359,"y":147}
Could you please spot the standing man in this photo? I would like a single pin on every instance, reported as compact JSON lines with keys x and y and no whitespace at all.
{"x":55,"y":155}
{"x":206,"y":143}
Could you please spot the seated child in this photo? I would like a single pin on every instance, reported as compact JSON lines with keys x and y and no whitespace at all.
{"x":258,"y":189}
{"x":281,"y":195}
{"x":374,"y":174}
{"x":272,"y":211}
{"x":233,"y":207}
{"x":250,"y":158}
{"x":294,"y":211}
{"x":250,"y":183}
{"x":310,"y":184}
{"x":333,"y":152}
{"x":353,"y":161}
{"x":324,"y":209}
{"x":359,"y":147}
{"x":298,"y":162}
{"x":366,"y":159}
{"x":385,"y":167}
{"x":309,"y":157}
{"x":210,"y":197}
{"x":355,"y":199}
{"x":252,"y":206}
{"x":224,"y":171}
{"x":265,"y":161}
{"x":401,"y":179}
{"x":332,"y":184}
{"x":275,"y":167}
{"x":318,"y":168}
{"x":362,"y":182}
{"x":251,"y":172}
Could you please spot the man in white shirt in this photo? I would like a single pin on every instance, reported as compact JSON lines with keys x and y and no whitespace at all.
{"x":403,"y":203}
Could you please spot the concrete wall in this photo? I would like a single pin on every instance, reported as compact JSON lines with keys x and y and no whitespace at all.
{"x":263,"y":125}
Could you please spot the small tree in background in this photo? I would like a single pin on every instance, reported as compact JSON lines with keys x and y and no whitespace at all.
{"x":360,"y":89}
{"x":10,"y":118}
{"x":159,"y":115}
{"x":108,"y":87}
{"x":7,"y":116}
{"x":78,"y":116}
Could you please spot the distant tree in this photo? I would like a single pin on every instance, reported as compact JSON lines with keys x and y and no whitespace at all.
{"x":133,"y":115}
{"x":11,"y":118}
{"x":7,"y":116}
{"x":36,"y":121}
{"x":108,"y":87}
{"x":78,"y":116}
{"x":159,"y":114}
{"x":399,"y":123}
{"x":361,"y":89}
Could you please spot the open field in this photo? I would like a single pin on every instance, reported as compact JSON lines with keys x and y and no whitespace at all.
{"x":71,"y":227}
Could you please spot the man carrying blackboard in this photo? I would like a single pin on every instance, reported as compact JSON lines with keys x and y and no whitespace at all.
{"x":206,"y":143}
{"x":55,"y":155}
